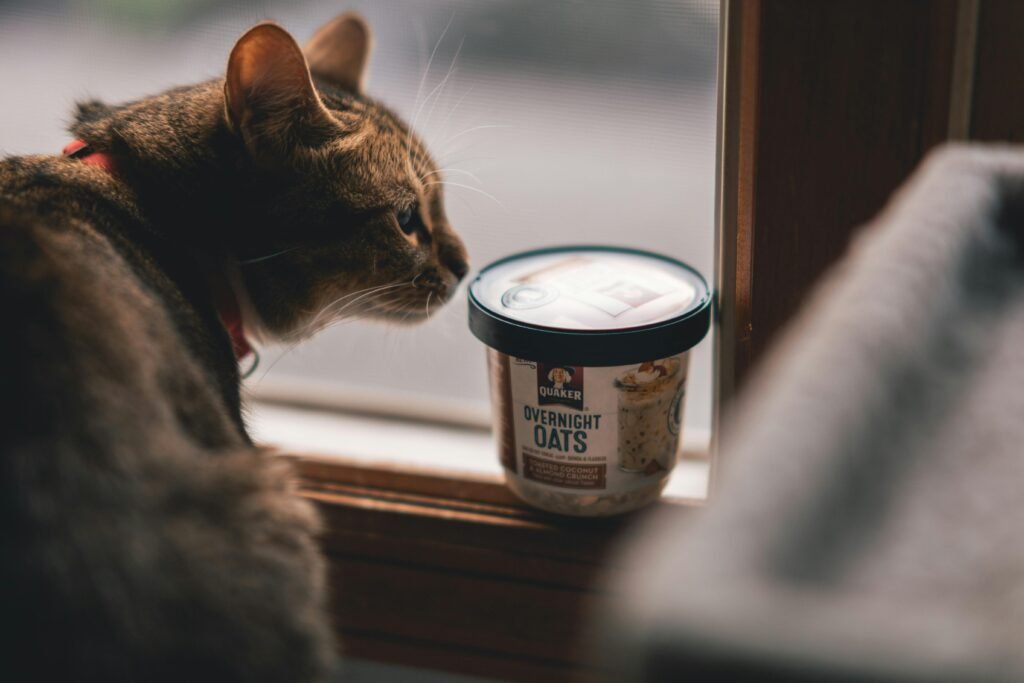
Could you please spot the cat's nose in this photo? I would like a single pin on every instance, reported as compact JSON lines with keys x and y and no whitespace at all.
{"x":459,"y":268}
{"x":452,"y":255}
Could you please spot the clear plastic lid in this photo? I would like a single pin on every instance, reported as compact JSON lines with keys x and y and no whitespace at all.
{"x":588,"y":290}
{"x":604,"y":293}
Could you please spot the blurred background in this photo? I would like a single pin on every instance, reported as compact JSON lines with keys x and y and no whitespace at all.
{"x":558,"y":122}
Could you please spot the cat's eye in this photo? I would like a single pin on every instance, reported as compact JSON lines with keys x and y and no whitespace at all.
{"x":405,"y":220}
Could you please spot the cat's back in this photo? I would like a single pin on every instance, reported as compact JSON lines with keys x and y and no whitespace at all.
{"x":100,"y":332}
{"x":129,"y":497}
{"x":64,"y":188}
{"x":74,"y":297}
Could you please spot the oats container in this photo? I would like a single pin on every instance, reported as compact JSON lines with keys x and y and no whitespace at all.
{"x":588,"y":356}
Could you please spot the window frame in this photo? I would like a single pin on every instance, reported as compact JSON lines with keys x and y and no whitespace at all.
{"x":517,"y":587}
{"x":456,"y":574}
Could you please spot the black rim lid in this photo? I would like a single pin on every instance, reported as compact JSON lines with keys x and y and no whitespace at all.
{"x":600,"y":347}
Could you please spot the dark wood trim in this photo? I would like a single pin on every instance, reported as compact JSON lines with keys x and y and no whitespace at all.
{"x":430,"y":655}
{"x":455,"y":574}
{"x":853,"y":93}
{"x":737,"y":105}
{"x":997,"y":112}
{"x":837,"y":103}
{"x":965,"y":51}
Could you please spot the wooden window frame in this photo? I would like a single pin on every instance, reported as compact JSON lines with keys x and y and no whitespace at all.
{"x":815,"y":132}
{"x":455,"y":574}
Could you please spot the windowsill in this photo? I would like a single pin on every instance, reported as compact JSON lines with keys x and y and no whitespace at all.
{"x":420,"y":447}
{"x":432,"y":563}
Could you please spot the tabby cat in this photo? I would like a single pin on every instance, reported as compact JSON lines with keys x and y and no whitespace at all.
{"x":142,"y":535}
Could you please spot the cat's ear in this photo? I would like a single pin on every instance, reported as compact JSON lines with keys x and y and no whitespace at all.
{"x":340,"y":50}
{"x":269,"y":95}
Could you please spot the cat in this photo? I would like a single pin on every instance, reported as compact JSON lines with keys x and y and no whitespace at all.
{"x":143,"y":537}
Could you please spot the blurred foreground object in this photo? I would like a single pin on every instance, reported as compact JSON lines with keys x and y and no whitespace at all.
{"x":867,"y":522}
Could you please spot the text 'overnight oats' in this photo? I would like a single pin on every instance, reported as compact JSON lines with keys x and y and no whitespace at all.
{"x":588,"y":357}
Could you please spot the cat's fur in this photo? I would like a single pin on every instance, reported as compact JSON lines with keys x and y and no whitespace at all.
{"x":142,"y":536}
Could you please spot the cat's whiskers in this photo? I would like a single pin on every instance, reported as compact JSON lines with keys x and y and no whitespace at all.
{"x":392,"y":302}
{"x":443,"y":128}
{"x":419,"y":90}
{"x":258,"y":259}
{"x":377,"y":304}
{"x":446,"y":158}
{"x":348,"y":301}
{"x":401,"y":322}
{"x":322,"y":309}
{"x":364,"y":314}
{"x":298,"y":340}
{"x":404,"y":303}
{"x":459,"y":154}
{"x":291,"y":347}
{"x":430,"y":60}
{"x":445,"y":148}
{"x":489,"y":126}
{"x":450,"y":317}
{"x":467,"y":187}
{"x":439,"y":171}
{"x":439,"y":88}
{"x":426,"y":307}
{"x":378,"y":299}
{"x":364,"y":301}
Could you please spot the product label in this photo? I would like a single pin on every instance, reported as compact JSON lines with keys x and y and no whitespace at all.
{"x":591,"y":430}
{"x":560,"y":384}
{"x":564,"y":475}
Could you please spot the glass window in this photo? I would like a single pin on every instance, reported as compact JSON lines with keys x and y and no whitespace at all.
{"x":557,"y":122}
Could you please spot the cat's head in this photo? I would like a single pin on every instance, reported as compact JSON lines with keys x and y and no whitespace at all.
{"x":346,"y":214}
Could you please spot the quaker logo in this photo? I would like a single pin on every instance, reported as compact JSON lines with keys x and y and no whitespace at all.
{"x":561,"y":384}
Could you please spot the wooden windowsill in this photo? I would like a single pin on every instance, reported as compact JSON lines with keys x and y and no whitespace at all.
{"x":458,"y":575}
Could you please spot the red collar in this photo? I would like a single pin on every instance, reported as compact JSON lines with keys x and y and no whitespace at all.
{"x":231,"y":315}
{"x":79,"y":149}
{"x":227,"y":303}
